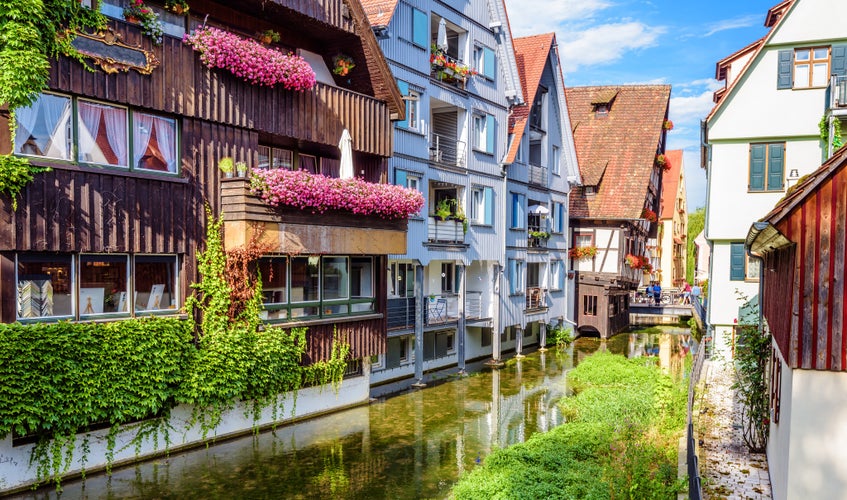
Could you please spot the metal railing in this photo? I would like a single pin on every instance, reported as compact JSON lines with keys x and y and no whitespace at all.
{"x":401,"y":313}
{"x":445,"y":231}
{"x":535,"y":298}
{"x":536,"y":242}
{"x":837,"y":92}
{"x":538,"y":175}
{"x":447,"y":150}
{"x":695,"y":491}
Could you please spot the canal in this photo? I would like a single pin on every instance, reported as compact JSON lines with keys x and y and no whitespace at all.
{"x":413,"y":445}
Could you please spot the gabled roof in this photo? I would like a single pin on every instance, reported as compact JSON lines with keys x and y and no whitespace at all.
{"x":379,"y":12}
{"x":775,"y":18}
{"x":670,"y":183}
{"x":722,"y":65}
{"x":622,"y":143}
{"x":531,"y":55}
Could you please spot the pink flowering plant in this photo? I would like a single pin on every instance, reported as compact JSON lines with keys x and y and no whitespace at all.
{"x":300,"y":189}
{"x":250,"y":60}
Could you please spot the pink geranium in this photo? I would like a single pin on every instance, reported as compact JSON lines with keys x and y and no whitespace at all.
{"x":319,"y":193}
{"x":250,"y":60}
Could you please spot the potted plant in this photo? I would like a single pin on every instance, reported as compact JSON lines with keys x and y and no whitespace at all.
{"x":268,"y":36}
{"x":539,"y":234}
{"x":444,"y":209}
{"x":138,"y":13}
{"x":178,"y":7}
{"x":241,"y":168}
{"x":342,"y":65}
{"x":226,"y":164}
{"x":649,"y":215}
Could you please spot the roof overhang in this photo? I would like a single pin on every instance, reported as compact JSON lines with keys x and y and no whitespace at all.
{"x":763,"y":238}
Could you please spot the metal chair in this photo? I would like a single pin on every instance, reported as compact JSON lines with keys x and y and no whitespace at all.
{"x":439,"y":313}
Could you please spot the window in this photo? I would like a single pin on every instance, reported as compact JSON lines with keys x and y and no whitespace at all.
{"x":420,"y":28}
{"x":516,"y":276}
{"x":482,"y":205}
{"x":103,"y":134}
{"x":589,"y":305}
{"x":737,"y":259}
{"x":483,"y":132}
{"x":309,"y":163}
{"x":811,"y":67}
{"x":518,"y":218}
{"x":558,"y":216}
{"x":402,"y":279}
{"x":751,"y":268}
{"x":583,"y":239}
{"x":407,"y":179}
{"x":51,"y":286}
{"x":447,"y":274}
{"x":484,"y":61}
{"x":172,"y":24}
{"x":555,"y":161}
{"x":767,"y":167}
{"x":412,"y":99}
{"x":557,"y":271}
{"x":271,"y":157}
{"x":274,"y":273}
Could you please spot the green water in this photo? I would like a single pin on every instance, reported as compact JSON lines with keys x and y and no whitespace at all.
{"x":414,"y":445}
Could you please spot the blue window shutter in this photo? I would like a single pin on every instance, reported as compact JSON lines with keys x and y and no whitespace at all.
{"x":514,"y":210}
{"x":736,"y":261}
{"x":488,"y":63}
{"x":489,"y":134}
{"x":839,"y":60}
{"x":559,"y":211}
{"x":513,"y":273}
{"x":776,"y":166}
{"x":521,"y":216}
{"x":420,"y":23}
{"x":404,"y":90}
{"x":784,"y":72}
{"x":488,"y":217}
{"x":562,"y":274}
{"x":400,"y":177}
{"x":757,"y":167}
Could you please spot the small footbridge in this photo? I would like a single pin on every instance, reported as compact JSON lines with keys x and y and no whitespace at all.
{"x":671,"y":309}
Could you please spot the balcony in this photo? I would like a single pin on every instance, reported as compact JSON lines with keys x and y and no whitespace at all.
{"x":291,"y":230}
{"x":473,"y":305}
{"x":448,"y":231}
{"x":440,"y":310}
{"x":536,"y":298}
{"x":401,"y":313}
{"x":538,"y":175}
{"x":448,"y":70}
{"x":836,"y":93}
{"x":448,"y":151}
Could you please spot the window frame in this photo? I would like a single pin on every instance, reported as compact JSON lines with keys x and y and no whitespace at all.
{"x":485,"y":61}
{"x":482,"y":205}
{"x":448,"y":271}
{"x":811,"y":62}
{"x":578,"y":233}
{"x":768,"y":167}
{"x":484,"y":135}
{"x":556,"y":165}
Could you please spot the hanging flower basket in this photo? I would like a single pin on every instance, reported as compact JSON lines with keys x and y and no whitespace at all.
{"x":342,"y":65}
{"x":649,"y":215}
{"x":667,"y":125}
{"x":249,"y":60}
{"x":639,"y":262}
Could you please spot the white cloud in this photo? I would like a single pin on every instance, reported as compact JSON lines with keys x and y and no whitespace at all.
{"x":731,"y":24}
{"x":687,"y":109}
{"x":605,"y":43}
{"x":532,"y":17}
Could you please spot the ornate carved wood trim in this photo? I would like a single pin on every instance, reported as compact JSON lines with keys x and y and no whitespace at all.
{"x":109,"y":51}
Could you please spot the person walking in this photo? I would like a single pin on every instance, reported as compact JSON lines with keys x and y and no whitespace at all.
{"x":695,"y":292}
{"x":686,"y":293}
{"x":657,"y":293}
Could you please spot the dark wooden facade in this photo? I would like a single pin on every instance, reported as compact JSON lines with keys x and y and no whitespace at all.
{"x":804,"y":249}
{"x":86,"y":209}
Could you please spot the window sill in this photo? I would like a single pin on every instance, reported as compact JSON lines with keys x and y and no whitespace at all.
{"x":114,"y":171}
{"x":484,"y":152}
{"x":765,"y":191}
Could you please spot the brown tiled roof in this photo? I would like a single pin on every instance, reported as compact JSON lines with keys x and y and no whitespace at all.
{"x":623,"y":142}
{"x":531,"y":54}
{"x":379,"y":12}
{"x":670,"y":182}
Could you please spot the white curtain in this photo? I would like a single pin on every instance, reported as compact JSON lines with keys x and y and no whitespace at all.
{"x":116,"y":132}
{"x":89,"y":115}
{"x":166,"y":136}
{"x":57,"y":111}
{"x":141,"y":133}
{"x":26,"y":119}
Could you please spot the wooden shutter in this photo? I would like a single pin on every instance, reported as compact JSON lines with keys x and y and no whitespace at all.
{"x":489,"y":134}
{"x":736,"y":261}
{"x":758,"y":153}
{"x":776,"y":166}
{"x":784,"y":71}
{"x":420,"y":25}
{"x":404,"y":90}
{"x":488,"y":217}
{"x":839,"y":60}
{"x":488,"y":63}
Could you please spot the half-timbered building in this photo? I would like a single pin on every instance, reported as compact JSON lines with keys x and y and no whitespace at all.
{"x":620,"y":136}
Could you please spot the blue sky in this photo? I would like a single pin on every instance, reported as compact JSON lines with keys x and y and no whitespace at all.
{"x":676,"y":42}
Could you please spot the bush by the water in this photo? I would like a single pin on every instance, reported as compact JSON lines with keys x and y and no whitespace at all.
{"x":619,"y":441}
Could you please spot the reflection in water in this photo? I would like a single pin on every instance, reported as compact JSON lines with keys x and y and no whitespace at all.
{"x":414,"y":445}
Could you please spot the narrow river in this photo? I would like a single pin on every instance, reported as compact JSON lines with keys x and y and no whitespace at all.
{"x":414,"y":445}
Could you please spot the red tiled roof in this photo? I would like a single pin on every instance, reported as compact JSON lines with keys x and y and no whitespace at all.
{"x":670,"y":182}
{"x":531,"y":54}
{"x":622,"y":143}
{"x":379,"y":12}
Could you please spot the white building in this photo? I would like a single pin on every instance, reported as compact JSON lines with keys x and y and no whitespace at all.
{"x":763,"y":135}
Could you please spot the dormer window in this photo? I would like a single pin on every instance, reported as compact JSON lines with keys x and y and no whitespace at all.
{"x":602,"y":104}
{"x":601,"y":109}
{"x":590,"y":190}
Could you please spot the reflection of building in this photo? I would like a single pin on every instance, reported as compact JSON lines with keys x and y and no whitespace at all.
{"x":764,"y":134}
{"x":620,"y":136}
{"x":801,"y":243}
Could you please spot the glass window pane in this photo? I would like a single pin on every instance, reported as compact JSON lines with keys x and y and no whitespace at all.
{"x":264,"y":157}
{"x":361,"y":277}
{"x":303,"y":312}
{"x":283,"y":158}
{"x":819,"y":75}
{"x":44,"y":286}
{"x":801,"y":75}
{"x":155,"y":283}
{"x":802,"y":55}
{"x":309,"y":163}
{"x":305,"y":279}
{"x":154,"y":143}
{"x":102,"y":134}
{"x":274,"y":272}
{"x":44,"y":129}
{"x":103,"y":284}
{"x":821,"y":53}
{"x":335,"y":278}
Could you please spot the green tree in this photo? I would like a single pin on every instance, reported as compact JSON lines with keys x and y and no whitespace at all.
{"x":696,"y":223}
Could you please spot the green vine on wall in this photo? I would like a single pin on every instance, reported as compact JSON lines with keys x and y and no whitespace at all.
{"x":752,"y":354}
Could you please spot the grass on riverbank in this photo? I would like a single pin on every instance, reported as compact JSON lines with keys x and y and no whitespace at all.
{"x":620,"y":440}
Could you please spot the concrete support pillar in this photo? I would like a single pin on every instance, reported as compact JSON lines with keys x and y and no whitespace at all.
{"x":460,"y":328}
{"x":420,"y":311}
